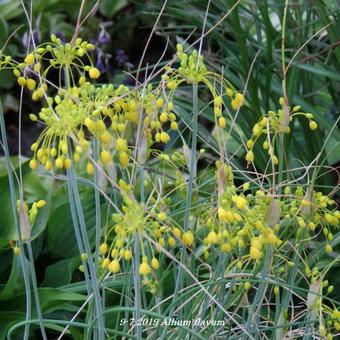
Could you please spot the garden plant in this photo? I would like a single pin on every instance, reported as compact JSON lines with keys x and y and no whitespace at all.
{"x":193,"y":197}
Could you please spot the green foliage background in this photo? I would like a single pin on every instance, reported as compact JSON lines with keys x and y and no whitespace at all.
{"x":248,"y":44}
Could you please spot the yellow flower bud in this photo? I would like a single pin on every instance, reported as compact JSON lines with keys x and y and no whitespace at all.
{"x":105,"y":156}
{"x":34,"y":164}
{"x":229,"y":92}
{"x":123,"y":159}
{"x":162,"y":216}
{"x":212,"y":238}
{"x":33,"y":117}
{"x":177,"y":232}
{"x":127,"y":255}
{"x":328,"y":249}
{"x":84,"y":257}
{"x":105,"y":263}
{"x":250,"y":144}
{"x":275,"y":160}
{"x":82,"y":80}
{"x":265,"y":145}
{"x":154,"y":263}
{"x":313,"y":125}
{"x":159,"y":102}
{"x":29,"y":59}
{"x":31,"y":84}
{"x":250,"y":156}
{"x":106,"y":138}
{"x":16,"y":72}
{"x":67,"y":163}
{"x":144,"y":269}
{"x":238,"y":101}
{"x":222,"y":122}
{"x":255,"y":253}
{"x":37,"y":67}
{"x":121,"y":144}
{"x":188,"y":238}
{"x":247,"y":285}
{"x":172,"y":242}
{"x":59,"y":163}
{"x":103,"y":248}
{"x":94,"y":73}
{"x":21,"y":81}
{"x":164,"y":138}
{"x":174,"y":125}
{"x":226,"y":248}
{"x":114,"y":266}
{"x":16,"y":250}
{"x":163,"y":118}
{"x":170,"y":106}
{"x":41,"y":203}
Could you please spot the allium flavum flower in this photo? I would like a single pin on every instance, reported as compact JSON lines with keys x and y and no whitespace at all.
{"x":82,"y":111}
{"x":192,"y":70}
{"x":271,"y":125}
{"x":138,"y":219}
{"x":254,"y":220}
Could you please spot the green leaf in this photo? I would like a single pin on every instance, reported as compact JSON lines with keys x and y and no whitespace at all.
{"x":320,"y":70}
{"x":52,"y":297}
{"x":15,"y":282}
{"x":61,"y":238}
{"x":3,"y":30}
{"x":8,"y":319}
{"x":10,"y":9}
{"x":109,"y":8}
{"x":7,"y":79}
{"x":7,"y":226}
{"x":60,"y":273}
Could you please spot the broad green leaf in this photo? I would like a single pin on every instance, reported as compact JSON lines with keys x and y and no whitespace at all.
{"x":61,"y":235}
{"x":10,"y":9}
{"x":3,"y":30}
{"x":15,"y":282}
{"x":8,"y":319}
{"x":52,"y":297}
{"x":110,"y":7}
{"x":60,"y":273}
{"x":7,"y":79}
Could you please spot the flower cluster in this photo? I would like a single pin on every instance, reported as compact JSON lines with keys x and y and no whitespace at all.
{"x":192,"y":70}
{"x":80,"y":112}
{"x":271,"y":125}
{"x":138,"y":220}
{"x":254,"y":220}
{"x":89,"y":126}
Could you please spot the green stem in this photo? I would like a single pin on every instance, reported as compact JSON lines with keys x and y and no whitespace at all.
{"x":93,"y":274}
{"x":192,"y":170}
{"x":35,"y":290}
{"x":23,"y":259}
{"x":192,"y":177}
{"x":97,"y":202}
{"x":138,"y":300}
{"x":253,"y":316}
{"x":279,"y":317}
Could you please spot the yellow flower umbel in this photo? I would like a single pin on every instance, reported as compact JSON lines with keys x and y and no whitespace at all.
{"x":240,"y":223}
{"x":53,"y":147}
{"x":270,"y":126}
{"x":136,"y":219}
{"x":72,"y":59}
{"x":192,"y":70}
